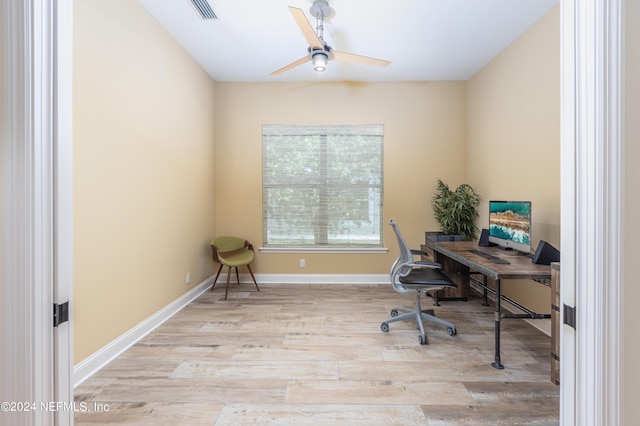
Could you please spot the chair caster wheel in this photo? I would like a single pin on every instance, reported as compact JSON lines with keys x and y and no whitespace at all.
{"x":384,"y":327}
{"x":422,"y":339}
{"x":394,"y":312}
{"x":452,"y":331}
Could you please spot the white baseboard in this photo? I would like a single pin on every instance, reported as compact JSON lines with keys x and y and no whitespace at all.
{"x":99,"y":359}
{"x":543,"y":325}
{"x":317,"y":278}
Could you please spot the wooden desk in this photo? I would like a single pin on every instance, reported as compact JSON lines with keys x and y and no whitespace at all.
{"x":519,"y":267}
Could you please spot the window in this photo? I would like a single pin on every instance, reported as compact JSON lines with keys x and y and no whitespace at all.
{"x":322,"y":186}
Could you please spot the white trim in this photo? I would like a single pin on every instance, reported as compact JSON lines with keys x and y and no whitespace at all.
{"x":315,"y":279}
{"x":346,"y":250}
{"x":38,"y":163}
{"x":592,"y":54}
{"x":99,"y":359}
{"x":109,"y":352}
{"x":63,"y":203}
{"x":612,"y":355}
{"x":567,"y":207}
{"x":29,"y":125}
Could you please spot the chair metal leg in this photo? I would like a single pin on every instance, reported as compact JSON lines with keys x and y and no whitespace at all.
{"x":226,"y":291}
{"x":401,"y":309}
{"x":433,"y":318}
{"x":418,"y":312}
{"x":252,"y":276}
{"x":408,"y":316}
{"x":217,"y":275}
{"x":418,"y":315}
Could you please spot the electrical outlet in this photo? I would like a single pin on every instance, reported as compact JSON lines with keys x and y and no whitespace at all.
{"x":188,"y":277}
{"x":302,"y":263}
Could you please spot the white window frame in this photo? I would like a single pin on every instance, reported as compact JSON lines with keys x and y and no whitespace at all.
{"x":274,"y":135}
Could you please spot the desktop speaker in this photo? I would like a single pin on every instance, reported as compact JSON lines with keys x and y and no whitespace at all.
{"x":484,"y":239}
{"x":545,"y":254}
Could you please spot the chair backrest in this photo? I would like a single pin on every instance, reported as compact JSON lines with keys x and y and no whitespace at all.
{"x":405,"y":257}
{"x":227,"y":244}
{"x":401,"y":267}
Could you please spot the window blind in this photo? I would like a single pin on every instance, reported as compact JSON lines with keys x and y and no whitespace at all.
{"x":322,"y":186}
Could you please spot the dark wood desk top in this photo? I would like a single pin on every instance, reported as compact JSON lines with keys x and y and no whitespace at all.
{"x":519,"y":266}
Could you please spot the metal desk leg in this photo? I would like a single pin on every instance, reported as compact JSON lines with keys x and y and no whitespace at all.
{"x":496,"y":363}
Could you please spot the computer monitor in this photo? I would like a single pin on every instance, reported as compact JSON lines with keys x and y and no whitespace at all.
{"x":510,"y":224}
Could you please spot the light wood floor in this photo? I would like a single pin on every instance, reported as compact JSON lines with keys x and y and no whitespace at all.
{"x":315,"y":355}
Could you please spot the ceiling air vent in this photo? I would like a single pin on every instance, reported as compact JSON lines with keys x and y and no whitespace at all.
{"x":204,"y":9}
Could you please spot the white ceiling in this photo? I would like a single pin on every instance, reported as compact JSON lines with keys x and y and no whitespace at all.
{"x":424,"y":39}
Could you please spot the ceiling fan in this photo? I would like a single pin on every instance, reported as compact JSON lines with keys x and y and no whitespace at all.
{"x":319,"y":52}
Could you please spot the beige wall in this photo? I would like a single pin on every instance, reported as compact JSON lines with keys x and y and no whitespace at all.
{"x":513,"y":137}
{"x":424,"y":125}
{"x":631,"y":249}
{"x":143,"y":170}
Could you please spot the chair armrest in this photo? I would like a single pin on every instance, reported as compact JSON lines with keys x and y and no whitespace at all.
{"x":421,"y":264}
{"x":419,"y":252}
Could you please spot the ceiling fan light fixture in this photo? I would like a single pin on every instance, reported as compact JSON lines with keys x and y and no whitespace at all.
{"x":319,"y":52}
{"x":319,"y":61}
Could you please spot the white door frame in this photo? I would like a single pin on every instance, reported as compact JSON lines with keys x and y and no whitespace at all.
{"x":36,"y":190}
{"x":37,"y":162}
{"x":592,"y":142}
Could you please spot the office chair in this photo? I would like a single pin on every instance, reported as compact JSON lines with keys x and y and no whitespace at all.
{"x":232,"y":252}
{"x":413,"y":278}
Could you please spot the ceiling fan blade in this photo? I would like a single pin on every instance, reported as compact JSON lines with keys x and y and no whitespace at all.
{"x":306,"y":28}
{"x":359,"y":59}
{"x":291,"y":65}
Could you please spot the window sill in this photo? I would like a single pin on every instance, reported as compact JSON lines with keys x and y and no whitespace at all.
{"x":353,"y":250}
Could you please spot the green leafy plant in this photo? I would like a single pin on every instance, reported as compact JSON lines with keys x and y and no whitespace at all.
{"x":456,"y":211}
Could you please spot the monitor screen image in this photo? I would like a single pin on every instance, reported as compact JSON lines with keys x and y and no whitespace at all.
{"x":510,"y":224}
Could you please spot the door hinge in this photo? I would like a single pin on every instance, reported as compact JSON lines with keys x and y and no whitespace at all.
{"x":570,"y":316}
{"x":60,"y":313}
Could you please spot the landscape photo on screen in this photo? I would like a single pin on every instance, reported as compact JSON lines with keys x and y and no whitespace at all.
{"x":510,"y":221}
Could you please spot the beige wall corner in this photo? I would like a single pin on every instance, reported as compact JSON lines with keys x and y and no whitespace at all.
{"x":513,"y":137}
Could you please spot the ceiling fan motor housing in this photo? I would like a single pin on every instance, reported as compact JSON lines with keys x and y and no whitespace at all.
{"x":326,"y":51}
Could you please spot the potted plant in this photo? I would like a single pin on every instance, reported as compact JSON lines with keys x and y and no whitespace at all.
{"x":456,"y":211}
